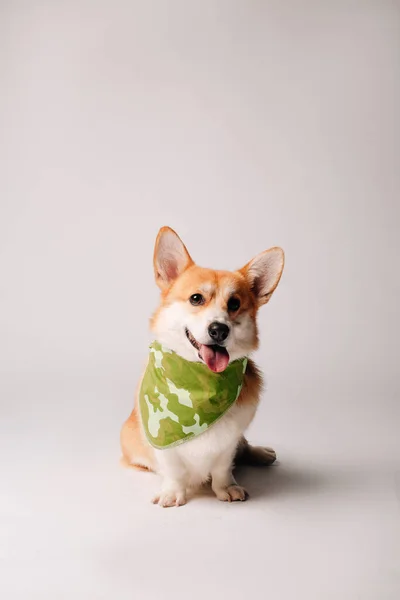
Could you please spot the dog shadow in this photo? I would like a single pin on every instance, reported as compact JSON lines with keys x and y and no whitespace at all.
{"x":281,"y":480}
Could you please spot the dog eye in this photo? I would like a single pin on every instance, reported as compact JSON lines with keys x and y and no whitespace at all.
{"x":233,"y":304}
{"x":196,"y":299}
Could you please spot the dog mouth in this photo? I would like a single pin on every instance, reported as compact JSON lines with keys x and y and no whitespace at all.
{"x":216,"y":357}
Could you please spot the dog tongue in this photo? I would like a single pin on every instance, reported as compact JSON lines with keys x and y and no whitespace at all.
{"x":215,"y":357}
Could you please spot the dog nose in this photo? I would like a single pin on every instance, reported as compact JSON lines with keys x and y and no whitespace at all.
{"x":218,"y":332}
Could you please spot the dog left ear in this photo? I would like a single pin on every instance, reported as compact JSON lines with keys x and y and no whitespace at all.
{"x":264,"y":272}
{"x":170,"y":257}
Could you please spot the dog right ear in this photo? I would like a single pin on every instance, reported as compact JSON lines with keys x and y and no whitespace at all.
{"x":264,"y":272}
{"x":171,"y":258}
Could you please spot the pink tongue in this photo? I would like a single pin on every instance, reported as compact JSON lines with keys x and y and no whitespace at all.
{"x":215,"y":357}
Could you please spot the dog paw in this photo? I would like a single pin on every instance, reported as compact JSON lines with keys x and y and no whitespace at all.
{"x":259,"y":456}
{"x":170,"y":498}
{"x":232,"y":493}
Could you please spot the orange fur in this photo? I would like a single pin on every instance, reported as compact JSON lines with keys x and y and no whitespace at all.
{"x":136,"y":450}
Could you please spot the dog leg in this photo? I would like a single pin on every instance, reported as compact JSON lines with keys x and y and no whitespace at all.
{"x":174,"y":479}
{"x":222,"y":481}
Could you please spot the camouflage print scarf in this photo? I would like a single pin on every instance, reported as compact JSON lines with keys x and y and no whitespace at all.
{"x":180,"y":399}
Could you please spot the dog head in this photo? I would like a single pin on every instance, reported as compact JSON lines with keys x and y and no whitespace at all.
{"x":208,"y":315}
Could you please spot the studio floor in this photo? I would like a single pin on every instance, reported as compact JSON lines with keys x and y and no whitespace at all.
{"x":321,"y":524}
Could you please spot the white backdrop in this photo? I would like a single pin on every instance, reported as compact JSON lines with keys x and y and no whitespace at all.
{"x":242,"y":125}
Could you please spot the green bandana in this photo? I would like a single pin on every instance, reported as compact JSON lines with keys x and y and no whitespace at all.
{"x":180,"y":399}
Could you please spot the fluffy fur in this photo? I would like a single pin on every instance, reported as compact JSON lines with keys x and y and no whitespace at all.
{"x":212,"y":454}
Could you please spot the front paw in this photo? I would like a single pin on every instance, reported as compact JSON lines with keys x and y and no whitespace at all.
{"x":168,"y":498}
{"x":232,"y":493}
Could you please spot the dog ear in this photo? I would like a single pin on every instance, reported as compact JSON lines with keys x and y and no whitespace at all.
{"x":171,"y":258}
{"x":264,"y":272}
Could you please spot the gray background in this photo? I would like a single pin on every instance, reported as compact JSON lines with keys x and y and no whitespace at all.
{"x":242,"y":125}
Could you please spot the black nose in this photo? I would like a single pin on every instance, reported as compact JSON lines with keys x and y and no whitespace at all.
{"x":218,"y":331}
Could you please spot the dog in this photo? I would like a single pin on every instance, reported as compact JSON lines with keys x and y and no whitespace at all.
{"x":205,"y":327}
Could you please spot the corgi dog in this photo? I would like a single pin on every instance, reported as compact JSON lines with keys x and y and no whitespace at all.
{"x":206,"y":320}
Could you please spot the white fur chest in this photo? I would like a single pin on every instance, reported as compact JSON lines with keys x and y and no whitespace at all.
{"x":200,"y":454}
